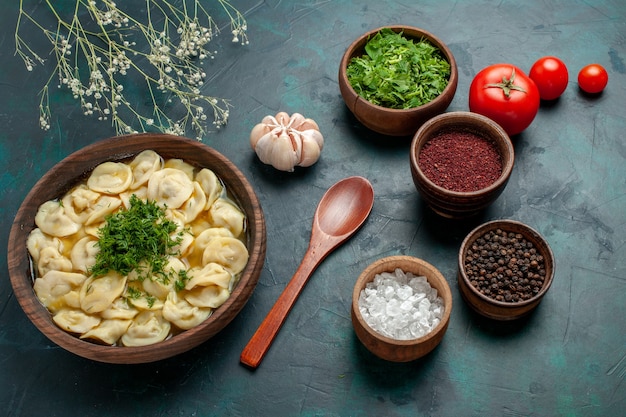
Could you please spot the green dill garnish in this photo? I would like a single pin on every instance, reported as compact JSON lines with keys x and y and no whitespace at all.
{"x":133,"y":293}
{"x":398,"y":73}
{"x":136,"y":239}
{"x":183,"y":277}
{"x":151,"y":299}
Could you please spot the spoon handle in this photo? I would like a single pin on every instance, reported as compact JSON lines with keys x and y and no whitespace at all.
{"x":259,"y":344}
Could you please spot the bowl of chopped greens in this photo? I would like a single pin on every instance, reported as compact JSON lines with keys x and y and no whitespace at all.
{"x":137,"y":248}
{"x":395,"y":78}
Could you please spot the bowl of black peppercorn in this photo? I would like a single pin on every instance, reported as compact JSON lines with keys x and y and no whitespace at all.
{"x":505,"y":268}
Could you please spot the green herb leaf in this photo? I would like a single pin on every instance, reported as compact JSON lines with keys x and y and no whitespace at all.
{"x":397,"y":72}
{"x":183,"y":277}
{"x":136,"y":239}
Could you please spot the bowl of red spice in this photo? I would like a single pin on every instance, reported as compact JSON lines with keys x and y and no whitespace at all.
{"x":394,"y":78}
{"x":505,"y":268}
{"x":460,"y":163}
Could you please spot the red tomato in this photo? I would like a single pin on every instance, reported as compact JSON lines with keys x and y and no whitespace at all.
{"x":506,"y":95}
{"x":593,"y":78}
{"x":550,"y":75}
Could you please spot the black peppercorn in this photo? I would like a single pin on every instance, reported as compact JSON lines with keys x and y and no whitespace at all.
{"x":507,"y":266}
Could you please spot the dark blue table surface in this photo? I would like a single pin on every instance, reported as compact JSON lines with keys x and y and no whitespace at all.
{"x":569,"y":183}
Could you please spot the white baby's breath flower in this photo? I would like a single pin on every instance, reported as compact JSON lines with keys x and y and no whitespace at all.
{"x":171,"y":65}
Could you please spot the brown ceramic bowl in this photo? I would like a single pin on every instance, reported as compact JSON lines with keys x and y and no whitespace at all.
{"x":395,"y":122}
{"x":73,"y":169}
{"x":401,"y":350}
{"x":455,"y":204}
{"x":488,"y":306}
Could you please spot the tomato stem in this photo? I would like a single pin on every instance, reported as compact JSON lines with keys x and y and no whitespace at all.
{"x":507,"y":85}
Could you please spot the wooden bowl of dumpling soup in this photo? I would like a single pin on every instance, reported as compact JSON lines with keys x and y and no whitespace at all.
{"x":79,"y":168}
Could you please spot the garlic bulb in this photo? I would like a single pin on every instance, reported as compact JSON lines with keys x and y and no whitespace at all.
{"x":285,"y":142}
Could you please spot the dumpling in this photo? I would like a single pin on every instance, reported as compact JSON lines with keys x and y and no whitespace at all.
{"x":210,"y":184}
{"x":141,"y":193}
{"x":160,"y":287}
{"x":98,"y":293}
{"x":225,"y":214}
{"x":181,"y":165}
{"x":195,"y":204}
{"x":200,"y":225}
{"x":183,"y":248}
{"x":139,"y":299}
{"x":108,"y":331}
{"x":79,"y":203}
{"x":207,"y":297}
{"x":182,"y":314}
{"x":93,"y":230}
{"x":72,"y":299}
{"x":176,"y":216}
{"x":75,"y":321}
{"x":210,"y":274}
{"x":157,"y":287}
{"x":143,"y":166}
{"x":52,"y":220}
{"x":38,"y":240}
{"x":119,"y":310}
{"x":110,"y":178}
{"x":202,"y":240}
{"x":147,"y":328}
{"x":50,"y":259}
{"x":84,"y":252}
{"x":169,"y":187}
{"x":104,"y":206}
{"x":229,"y":252}
{"x":55,"y":289}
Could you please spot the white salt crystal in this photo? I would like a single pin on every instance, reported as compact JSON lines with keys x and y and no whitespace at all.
{"x":406,"y":306}
{"x":393,"y":307}
{"x":404,"y":292}
{"x":400,"y":305}
{"x":416,"y":298}
{"x":388,"y":292}
{"x":377,"y":309}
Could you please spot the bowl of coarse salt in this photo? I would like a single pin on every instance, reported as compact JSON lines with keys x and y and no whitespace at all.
{"x":401,"y":308}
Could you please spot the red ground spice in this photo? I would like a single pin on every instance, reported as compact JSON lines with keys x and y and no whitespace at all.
{"x":460,"y":161}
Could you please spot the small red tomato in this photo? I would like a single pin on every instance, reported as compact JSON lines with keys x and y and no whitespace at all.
{"x":593,"y":78}
{"x":550,"y":75}
{"x":506,"y":95}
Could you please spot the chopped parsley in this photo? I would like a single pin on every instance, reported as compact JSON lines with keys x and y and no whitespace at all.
{"x":398,"y":73}
{"x":139,"y":238}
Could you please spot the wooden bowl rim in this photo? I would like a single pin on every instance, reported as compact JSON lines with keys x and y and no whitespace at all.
{"x":40,"y":316}
{"x":413,"y":32}
{"x":368,"y":275}
{"x":419,"y":140}
{"x":527,"y":231}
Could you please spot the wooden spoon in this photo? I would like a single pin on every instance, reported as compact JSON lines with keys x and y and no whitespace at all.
{"x":340,"y":213}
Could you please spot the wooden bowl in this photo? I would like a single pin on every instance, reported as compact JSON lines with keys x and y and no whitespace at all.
{"x":401,"y":350}
{"x":395,"y":122}
{"x":488,"y":306}
{"x":74,"y":169}
{"x":455,"y":204}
